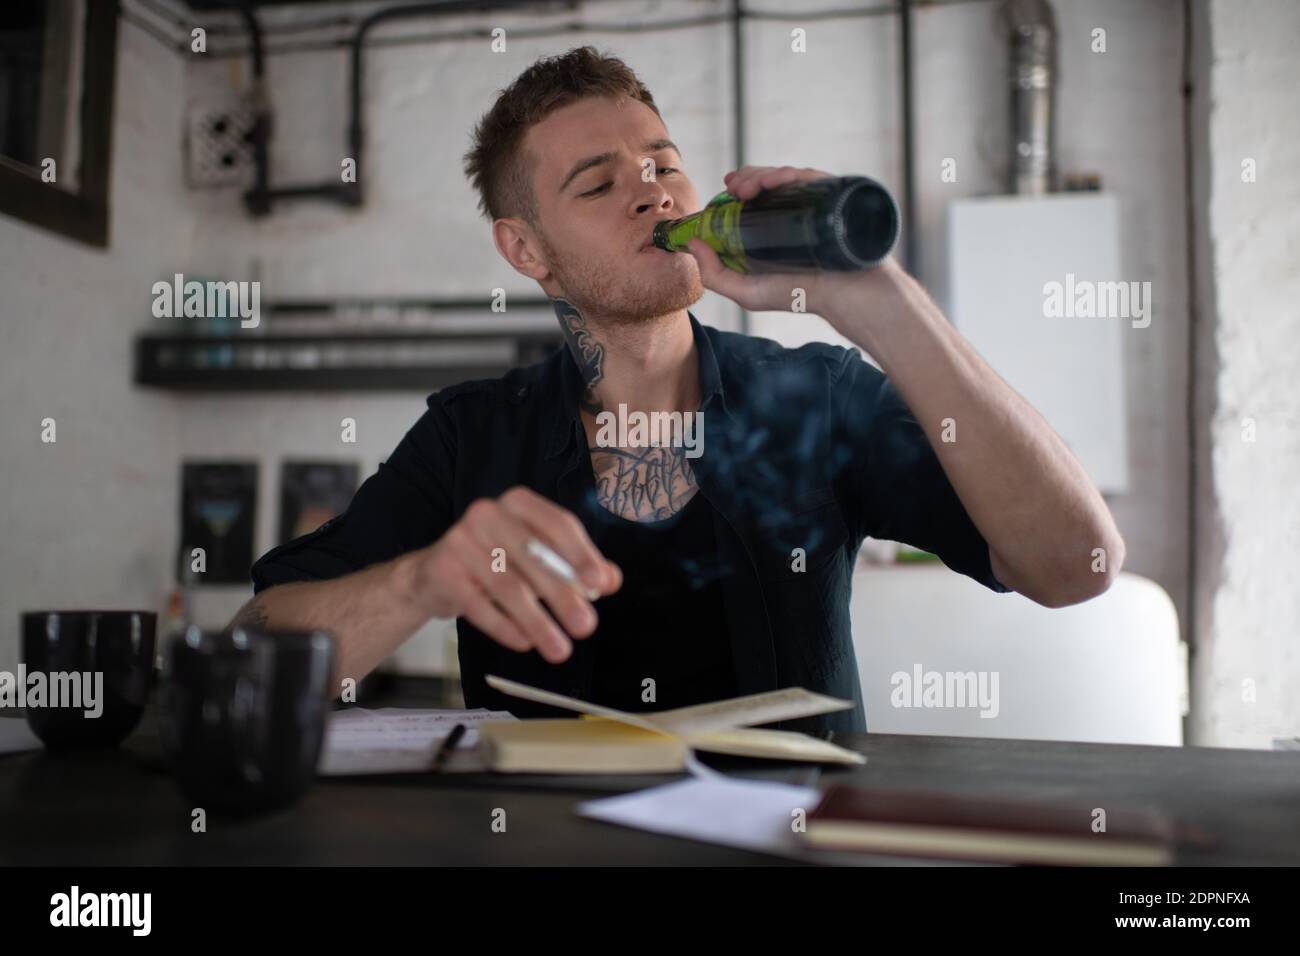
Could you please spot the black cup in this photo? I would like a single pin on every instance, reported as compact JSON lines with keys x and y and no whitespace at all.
{"x":244,"y":715}
{"x":115,"y":648}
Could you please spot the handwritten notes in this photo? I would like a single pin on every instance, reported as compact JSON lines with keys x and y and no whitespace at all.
{"x":400,"y":740}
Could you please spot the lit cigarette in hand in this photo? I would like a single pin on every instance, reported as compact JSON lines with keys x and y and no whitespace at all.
{"x":558,"y":565}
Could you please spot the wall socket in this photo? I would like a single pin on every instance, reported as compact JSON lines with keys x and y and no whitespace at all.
{"x":219,"y":143}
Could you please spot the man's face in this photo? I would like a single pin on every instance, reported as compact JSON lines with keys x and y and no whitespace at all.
{"x":595,"y":218}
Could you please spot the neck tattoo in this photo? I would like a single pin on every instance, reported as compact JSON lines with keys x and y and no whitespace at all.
{"x":639,"y":484}
{"x":586,"y":351}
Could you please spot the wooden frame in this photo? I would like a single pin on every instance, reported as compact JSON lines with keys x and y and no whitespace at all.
{"x":82,"y":215}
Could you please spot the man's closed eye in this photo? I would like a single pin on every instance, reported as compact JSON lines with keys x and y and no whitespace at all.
{"x":666,"y":170}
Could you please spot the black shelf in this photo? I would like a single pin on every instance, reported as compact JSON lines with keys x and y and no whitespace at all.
{"x":330,"y":362}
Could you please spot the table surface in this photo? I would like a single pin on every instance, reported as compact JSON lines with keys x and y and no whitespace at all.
{"x":121,"y":807}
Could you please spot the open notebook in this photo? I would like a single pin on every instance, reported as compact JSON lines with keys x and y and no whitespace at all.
{"x":612,"y":741}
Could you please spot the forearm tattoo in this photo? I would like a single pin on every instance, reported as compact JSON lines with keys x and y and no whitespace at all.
{"x":252,"y":614}
{"x":586,"y":351}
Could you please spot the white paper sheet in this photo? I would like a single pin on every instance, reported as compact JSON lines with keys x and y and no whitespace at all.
{"x":400,"y":740}
{"x":16,"y":736}
{"x":750,"y":814}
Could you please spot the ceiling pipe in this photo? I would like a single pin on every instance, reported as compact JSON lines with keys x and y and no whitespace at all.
{"x":1032,"y":34}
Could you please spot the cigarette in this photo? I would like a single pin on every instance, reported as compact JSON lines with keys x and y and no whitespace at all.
{"x":558,"y":565}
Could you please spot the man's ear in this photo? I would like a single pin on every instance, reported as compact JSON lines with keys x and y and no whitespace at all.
{"x":518,"y":244}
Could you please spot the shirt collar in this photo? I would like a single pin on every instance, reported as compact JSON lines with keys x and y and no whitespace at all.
{"x":566,"y":425}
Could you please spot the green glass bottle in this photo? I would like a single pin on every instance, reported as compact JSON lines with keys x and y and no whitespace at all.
{"x":840,"y":223}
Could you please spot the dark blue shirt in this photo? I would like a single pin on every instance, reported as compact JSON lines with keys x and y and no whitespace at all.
{"x":806,"y":452}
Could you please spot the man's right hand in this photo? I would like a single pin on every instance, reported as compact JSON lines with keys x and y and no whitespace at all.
{"x":502,"y":592}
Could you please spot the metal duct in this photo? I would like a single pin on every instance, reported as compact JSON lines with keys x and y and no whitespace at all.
{"x":1032,"y":34}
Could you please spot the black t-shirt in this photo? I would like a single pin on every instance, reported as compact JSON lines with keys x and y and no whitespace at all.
{"x":667,"y":623}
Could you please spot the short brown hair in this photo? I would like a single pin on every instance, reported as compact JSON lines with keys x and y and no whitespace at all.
{"x":496,"y":165}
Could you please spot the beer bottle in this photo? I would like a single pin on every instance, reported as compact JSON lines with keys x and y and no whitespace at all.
{"x":843,"y":223}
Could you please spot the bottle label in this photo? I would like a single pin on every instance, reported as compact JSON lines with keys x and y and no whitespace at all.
{"x":718,"y":225}
{"x":720,"y":228}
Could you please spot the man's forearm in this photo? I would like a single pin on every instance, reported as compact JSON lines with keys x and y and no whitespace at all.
{"x":370,"y":613}
{"x":1025,"y":491}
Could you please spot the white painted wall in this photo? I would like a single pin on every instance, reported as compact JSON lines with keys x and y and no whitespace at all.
{"x":834,"y":107}
{"x":90,"y":520}
{"x":1248,"y":658}
{"x":68,"y":313}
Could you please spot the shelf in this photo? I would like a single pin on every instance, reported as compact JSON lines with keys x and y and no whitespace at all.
{"x":363,"y":361}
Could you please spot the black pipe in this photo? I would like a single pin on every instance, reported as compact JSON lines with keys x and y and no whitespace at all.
{"x":738,"y":95}
{"x":356,"y":128}
{"x":738,"y":80}
{"x":258,"y":199}
{"x":1192,"y":179}
{"x":911,"y":261}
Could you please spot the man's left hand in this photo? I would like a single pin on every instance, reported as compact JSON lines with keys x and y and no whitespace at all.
{"x":817,"y":292}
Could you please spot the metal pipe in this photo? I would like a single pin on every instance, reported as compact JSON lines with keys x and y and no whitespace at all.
{"x":1032,"y":28}
{"x":258,"y":199}
{"x":352,"y":193}
{"x":911,"y":259}
{"x":738,"y":114}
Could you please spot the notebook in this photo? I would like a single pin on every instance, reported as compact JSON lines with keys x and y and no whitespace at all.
{"x":606,"y":740}
{"x":982,"y":829}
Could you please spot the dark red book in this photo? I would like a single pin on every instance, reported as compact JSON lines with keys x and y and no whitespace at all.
{"x":906,"y":823}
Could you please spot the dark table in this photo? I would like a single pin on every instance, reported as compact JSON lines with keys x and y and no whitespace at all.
{"x":121,"y":807}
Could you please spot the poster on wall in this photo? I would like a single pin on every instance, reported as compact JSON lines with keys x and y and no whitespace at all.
{"x":312,"y":492}
{"x":218,"y":515}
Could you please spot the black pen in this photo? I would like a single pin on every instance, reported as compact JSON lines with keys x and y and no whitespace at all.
{"x":448,"y":745}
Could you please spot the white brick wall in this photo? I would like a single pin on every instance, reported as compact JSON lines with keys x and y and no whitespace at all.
{"x":90,"y":521}
{"x":834,"y":107}
{"x":1248,"y":658}
{"x":99,"y":509}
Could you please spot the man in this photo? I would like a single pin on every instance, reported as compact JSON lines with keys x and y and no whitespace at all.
{"x":702,"y":572}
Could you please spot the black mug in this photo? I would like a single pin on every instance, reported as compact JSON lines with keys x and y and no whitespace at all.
{"x":96,"y":669}
{"x":244,"y":715}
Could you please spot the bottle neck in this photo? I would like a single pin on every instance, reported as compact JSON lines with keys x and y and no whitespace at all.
{"x":672,"y":235}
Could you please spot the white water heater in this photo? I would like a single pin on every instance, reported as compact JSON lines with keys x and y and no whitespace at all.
{"x":1037,"y":285}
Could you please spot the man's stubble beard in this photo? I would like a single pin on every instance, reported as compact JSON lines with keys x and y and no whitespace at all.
{"x":614,"y":295}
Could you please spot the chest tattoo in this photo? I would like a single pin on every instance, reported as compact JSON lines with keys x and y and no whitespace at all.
{"x":643,"y":484}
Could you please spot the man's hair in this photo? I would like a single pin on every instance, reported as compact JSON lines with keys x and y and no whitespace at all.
{"x":496,"y":164}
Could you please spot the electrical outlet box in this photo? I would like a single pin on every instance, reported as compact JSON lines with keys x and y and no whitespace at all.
{"x":219,"y":144}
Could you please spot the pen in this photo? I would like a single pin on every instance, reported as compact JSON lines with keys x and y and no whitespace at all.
{"x":448,"y":745}
{"x":558,"y":565}
{"x":813,"y":773}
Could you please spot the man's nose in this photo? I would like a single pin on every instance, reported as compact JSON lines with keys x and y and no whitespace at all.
{"x":652,"y":198}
